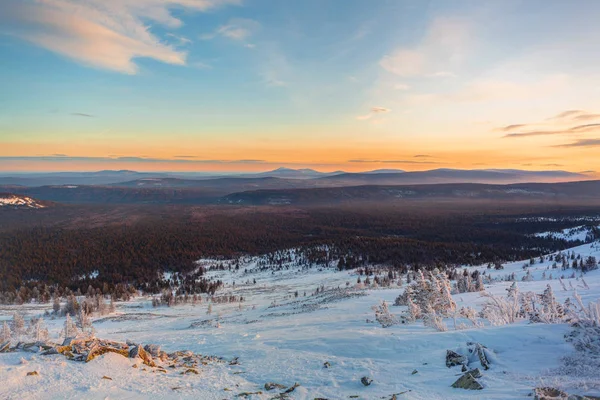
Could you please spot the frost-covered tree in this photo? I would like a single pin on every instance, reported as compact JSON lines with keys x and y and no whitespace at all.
{"x":6,"y":334}
{"x":550,"y":310}
{"x":433,"y":320}
{"x":70,"y":328}
{"x":84,"y":323}
{"x":209,"y":309}
{"x":414,"y":312}
{"x":39,"y":331}
{"x":18,"y":324}
{"x":384,"y":316}
{"x":56,"y":305}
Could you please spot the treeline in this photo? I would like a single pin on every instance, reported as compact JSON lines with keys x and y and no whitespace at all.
{"x":41,"y":262}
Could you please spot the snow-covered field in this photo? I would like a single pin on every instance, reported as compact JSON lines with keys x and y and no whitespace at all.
{"x":285,"y":339}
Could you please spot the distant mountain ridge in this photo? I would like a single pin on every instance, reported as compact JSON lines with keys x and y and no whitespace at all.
{"x":289,"y":177}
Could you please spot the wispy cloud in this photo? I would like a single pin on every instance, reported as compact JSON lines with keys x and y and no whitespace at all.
{"x":105,"y":34}
{"x":512,"y":127}
{"x":581,"y":143}
{"x":237,"y":29}
{"x":422,"y":156}
{"x":373,"y":112}
{"x":82,"y":115}
{"x":567,"y":114}
{"x":569,"y":131}
{"x":181,"y":40}
{"x":586,"y":117}
{"x":445,"y":43}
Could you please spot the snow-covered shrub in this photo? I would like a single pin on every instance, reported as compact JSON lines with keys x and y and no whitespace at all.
{"x":434,"y":292}
{"x":384,"y":316}
{"x":502,"y":311}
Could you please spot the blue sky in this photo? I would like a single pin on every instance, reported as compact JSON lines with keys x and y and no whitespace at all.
{"x":299,"y":83}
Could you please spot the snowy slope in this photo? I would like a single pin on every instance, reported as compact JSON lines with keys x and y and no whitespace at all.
{"x":286,"y":339}
{"x":19,"y":201}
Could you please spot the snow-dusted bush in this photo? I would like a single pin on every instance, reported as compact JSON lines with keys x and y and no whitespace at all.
{"x":433,"y":291}
{"x":433,"y":320}
{"x":384,"y":316}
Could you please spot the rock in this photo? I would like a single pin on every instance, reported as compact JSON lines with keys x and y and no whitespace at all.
{"x":326,"y":364}
{"x":139,"y":351}
{"x":365,"y":380}
{"x":464,"y":368}
{"x":468,"y":382}
{"x":549,"y":393}
{"x":49,"y":352}
{"x":475,"y":373}
{"x":32,"y":373}
{"x":4,"y":347}
{"x":453,"y":359}
{"x":247,"y":394}
{"x":190,"y":371}
{"x":96,"y":351}
{"x":273,"y":385}
{"x":107,"y":377}
{"x":414,"y":372}
{"x":292,"y":388}
{"x":153,"y":349}
{"x":480,"y":351}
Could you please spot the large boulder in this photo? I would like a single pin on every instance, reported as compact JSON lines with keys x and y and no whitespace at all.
{"x":468,"y":382}
{"x":453,"y":359}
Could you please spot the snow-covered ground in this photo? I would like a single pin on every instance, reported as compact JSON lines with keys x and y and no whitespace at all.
{"x":282,"y":338}
{"x":578,"y":233}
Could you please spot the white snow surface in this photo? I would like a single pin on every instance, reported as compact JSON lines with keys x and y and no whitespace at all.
{"x":283,"y":339}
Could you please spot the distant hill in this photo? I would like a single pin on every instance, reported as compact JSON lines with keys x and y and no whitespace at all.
{"x":444,"y":175}
{"x":584,"y":191}
{"x":303,"y":173}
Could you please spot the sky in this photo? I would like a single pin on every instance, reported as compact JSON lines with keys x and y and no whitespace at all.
{"x":250,"y":85}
